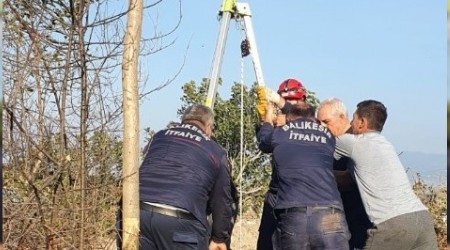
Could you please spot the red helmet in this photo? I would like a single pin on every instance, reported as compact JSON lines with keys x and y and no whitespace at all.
{"x":292,"y":89}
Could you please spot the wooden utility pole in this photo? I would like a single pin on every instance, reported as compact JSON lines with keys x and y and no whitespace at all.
{"x":130,"y":169}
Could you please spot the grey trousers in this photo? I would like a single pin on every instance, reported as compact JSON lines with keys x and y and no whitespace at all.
{"x":404,"y":232}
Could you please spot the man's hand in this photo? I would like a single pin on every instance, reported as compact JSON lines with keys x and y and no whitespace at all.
{"x":280,"y":120}
{"x":217,"y":246}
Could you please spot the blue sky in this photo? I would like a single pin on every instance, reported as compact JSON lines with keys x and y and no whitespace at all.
{"x":391,"y":51}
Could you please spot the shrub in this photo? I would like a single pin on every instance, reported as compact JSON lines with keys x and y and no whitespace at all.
{"x":435,"y":198}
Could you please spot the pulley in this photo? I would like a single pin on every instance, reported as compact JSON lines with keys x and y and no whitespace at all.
{"x":245,"y":48}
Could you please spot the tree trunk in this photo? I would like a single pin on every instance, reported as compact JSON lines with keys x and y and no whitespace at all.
{"x":130,"y":203}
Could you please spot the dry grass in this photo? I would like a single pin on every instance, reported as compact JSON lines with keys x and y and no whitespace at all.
{"x":435,"y":198}
{"x":245,"y":233}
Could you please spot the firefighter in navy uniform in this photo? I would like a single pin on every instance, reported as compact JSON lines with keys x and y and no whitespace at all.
{"x":183,"y":172}
{"x":308,"y":207}
{"x":292,"y":91}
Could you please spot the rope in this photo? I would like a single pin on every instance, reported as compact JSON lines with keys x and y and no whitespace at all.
{"x":241,"y":167}
{"x":241,"y":152}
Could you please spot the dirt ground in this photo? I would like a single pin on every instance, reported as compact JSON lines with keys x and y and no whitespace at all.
{"x":245,"y":234}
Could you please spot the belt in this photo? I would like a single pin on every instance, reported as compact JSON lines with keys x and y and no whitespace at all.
{"x":304,"y":209}
{"x":165,"y":211}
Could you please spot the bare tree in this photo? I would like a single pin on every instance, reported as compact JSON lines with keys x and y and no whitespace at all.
{"x":131,"y":127}
{"x":62,"y":146}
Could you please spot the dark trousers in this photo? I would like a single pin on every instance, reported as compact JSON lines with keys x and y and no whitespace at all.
{"x":267,"y":228}
{"x":412,"y":231}
{"x":314,"y":228}
{"x":358,"y":224}
{"x":119,"y":225}
{"x":357,"y":219}
{"x":159,"y":231}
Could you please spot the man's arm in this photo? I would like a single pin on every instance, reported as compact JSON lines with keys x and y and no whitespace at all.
{"x":344,"y":146}
{"x":221,"y":204}
{"x":264,"y":135}
{"x":264,"y":138}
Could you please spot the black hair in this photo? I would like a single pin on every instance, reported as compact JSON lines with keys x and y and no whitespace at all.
{"x":300,"y":109}
{"x":374,"y":111}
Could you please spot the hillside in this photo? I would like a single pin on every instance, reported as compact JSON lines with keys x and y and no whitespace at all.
{"x":431,"y":167}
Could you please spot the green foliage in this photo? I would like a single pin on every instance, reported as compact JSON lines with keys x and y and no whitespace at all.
{"x":312,"y":99}
{"x":227,"y":115}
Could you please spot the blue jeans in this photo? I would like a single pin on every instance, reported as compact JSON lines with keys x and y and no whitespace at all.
{"x":324,"y":229}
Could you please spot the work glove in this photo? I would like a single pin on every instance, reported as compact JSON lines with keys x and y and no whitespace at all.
{"x":272,"y":96}
{"x":261,"y":102}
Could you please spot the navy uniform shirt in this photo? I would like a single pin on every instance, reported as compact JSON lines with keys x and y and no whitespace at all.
{"x":271,"y":194}
{"x":302,"y":153}
{"x":186,"y":169}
